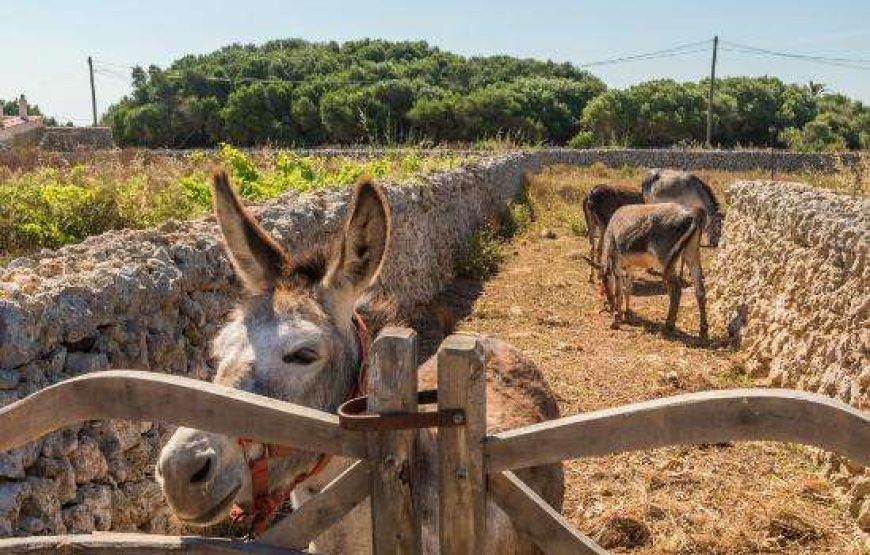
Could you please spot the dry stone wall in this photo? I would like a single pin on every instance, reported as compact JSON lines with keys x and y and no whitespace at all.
{"x":74,"y":138}
{"x":726,"y":160}
{"x":792,"y":284}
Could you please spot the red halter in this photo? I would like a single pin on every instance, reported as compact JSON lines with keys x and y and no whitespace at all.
{"x":264,"y":503}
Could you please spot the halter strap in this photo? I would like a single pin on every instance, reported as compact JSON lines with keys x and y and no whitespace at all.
{"x":264,"y":504}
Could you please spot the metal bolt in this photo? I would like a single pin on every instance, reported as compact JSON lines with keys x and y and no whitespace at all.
{"x":461,"y":472}
{"x":458,"y":418}
{"x":389,"y":461}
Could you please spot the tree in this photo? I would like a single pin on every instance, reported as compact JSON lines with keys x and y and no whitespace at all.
{"x":293,"y":92}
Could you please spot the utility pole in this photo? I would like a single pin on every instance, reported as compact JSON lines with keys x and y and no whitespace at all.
{"x":93,"y":92}
{"x":710,"y":95}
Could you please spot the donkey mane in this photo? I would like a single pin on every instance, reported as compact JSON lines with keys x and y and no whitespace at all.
{"x":312,"y":264}
{"x":711,"y":196}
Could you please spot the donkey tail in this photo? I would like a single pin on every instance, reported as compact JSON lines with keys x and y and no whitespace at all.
{"x":591,"y":221}
{"x":690,"y":229}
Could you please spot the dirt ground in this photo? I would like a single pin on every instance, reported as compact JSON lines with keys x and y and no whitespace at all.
{"x":727,"y":499}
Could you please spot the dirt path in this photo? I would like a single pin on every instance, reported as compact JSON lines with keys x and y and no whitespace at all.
{"x":744,"y":498}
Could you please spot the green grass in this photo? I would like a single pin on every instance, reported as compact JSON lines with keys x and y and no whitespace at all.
{"x":481,"y":256}
{"x":56,"y":204}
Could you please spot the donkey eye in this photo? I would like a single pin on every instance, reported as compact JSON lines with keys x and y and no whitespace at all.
{"x":302,"y":356}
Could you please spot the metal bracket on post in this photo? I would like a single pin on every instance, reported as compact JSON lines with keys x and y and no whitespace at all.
{"x":352,"y":416}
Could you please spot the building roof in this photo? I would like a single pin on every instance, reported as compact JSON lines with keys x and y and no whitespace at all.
{"x":7,"y":122}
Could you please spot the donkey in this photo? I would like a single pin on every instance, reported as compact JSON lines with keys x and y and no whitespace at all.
{"x":688,"y":190}
{"x":652,"y":235}
{"x":599,"y":204}
{"x":298,"y":337}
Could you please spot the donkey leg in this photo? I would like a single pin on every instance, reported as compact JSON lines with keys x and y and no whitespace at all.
{"x":674,"y":287}
{"x":693,"y":258}
{"x":593,"y":253}
{"x":628,"y":288}
{"x":616,"y":285}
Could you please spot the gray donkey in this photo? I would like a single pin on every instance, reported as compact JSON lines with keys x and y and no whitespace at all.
{"x":688,"y":190}
{"x":599,"y":205}
{"x":296,"y":337}
{"x":652,"y":235}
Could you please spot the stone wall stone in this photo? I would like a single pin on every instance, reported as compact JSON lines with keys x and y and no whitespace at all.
{"x":74,"y":138}
{"x":792,"y":284}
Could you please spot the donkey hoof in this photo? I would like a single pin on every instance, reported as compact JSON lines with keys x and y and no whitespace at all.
{"x":704,"y":334}
{"x":668,"y":331}
{"x":614,"y":325}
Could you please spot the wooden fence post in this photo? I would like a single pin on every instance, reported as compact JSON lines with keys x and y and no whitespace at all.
{"x":462,"y":499}
{"x":395,"y":526}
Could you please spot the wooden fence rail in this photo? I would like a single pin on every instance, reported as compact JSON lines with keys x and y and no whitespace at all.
{"x":473,"y":467}
{"x":148,"y":396}
{"x":113,"y":543}
{"x":694,"y":418}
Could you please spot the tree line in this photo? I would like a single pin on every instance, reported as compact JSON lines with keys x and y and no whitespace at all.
{"x":294,"y":92}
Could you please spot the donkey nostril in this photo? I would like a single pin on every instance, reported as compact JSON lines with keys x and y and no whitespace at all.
{"x":201,"y":474}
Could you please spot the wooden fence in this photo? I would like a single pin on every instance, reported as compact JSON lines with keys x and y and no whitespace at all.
{"x":474,"y":467}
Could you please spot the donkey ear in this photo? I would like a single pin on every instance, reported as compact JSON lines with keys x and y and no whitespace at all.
{"x":257,"y":258}
{"x":651,"y":177}
{"x":366,"y":240}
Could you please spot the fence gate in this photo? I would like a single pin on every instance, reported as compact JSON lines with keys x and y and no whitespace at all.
{"x":474,"y":468}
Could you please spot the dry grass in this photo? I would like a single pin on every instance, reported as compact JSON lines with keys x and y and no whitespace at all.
{"x":732,"y":499}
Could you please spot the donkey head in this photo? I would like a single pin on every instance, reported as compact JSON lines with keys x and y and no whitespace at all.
{"x":648,"y":180}
{"x":293,"y":339}
{"x":714,"y":228}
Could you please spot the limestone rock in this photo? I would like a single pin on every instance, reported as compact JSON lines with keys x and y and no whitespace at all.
{"x":9,"y":379}
{"x":88,"y":461}
{"x":12,"y":495}
{"x":78,"y":519}
{"x":84,"y":363}
{"x":60,"y":442}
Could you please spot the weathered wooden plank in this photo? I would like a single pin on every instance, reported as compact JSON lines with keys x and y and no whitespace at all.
{"x":316,"y":515}
{"x":535,"y":518}
{"x":694,"y":418}
{"x":395,"y":528}
{"x":462,"y":500}
{"x":148,"y":396}
{"x":134,"y":544}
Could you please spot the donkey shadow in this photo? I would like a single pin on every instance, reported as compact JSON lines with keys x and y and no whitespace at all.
{"x":437,"y":319}
{"x":678,"y":335}
{"x":647,"y":288}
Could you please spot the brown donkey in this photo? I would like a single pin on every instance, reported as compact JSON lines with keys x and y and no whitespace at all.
{"x":653,"y":235}
{"x":296,"y":338}
{"x":599,"y":205}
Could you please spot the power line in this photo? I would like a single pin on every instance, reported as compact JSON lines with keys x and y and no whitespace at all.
{"x":802,"y":56}
{"x":119,"y":71}
{"x":687,"y":48}
{"x":849,"y":63}
{"x":678,"y":50}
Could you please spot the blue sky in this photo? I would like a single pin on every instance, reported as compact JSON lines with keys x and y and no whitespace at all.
{"x":46,"y":42}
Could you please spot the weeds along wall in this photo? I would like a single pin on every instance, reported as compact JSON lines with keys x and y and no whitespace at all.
{"x":792,"y":284}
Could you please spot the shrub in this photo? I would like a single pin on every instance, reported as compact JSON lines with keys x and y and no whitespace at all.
{"x":583,"y":139}
{"x":480,"y":257}
{"x":578,"y":227}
